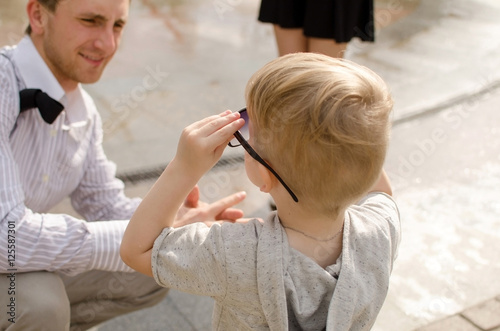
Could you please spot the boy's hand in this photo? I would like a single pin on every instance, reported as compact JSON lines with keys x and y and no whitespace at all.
{"x":202,"y":143}
{"x":200,"y":146}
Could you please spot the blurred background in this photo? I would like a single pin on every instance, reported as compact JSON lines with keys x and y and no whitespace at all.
{"x":180,"y":61}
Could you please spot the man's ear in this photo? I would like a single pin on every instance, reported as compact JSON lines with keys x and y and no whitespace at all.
{"x":37,"y":16}
{"x":267,"y":178}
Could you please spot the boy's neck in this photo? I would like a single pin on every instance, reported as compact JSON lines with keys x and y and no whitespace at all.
{"x":314,"y":235}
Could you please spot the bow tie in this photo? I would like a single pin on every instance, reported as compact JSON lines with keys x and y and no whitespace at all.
{"x":35,"y":98}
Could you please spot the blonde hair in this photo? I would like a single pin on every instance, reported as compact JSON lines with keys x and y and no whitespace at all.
{"x":323,"y":125}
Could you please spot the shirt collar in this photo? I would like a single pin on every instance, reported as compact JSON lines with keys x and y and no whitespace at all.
{"x":36,"y":74}
{"x":34,"y":71}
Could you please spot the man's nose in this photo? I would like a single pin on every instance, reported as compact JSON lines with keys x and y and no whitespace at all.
{"x":106,"y":40}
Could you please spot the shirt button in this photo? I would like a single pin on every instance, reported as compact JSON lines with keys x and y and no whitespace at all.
{"x":45,"y":178}
{"x":53,"y":133}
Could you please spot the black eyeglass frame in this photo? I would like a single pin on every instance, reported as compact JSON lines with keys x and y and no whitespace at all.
{"x":257,"y":157}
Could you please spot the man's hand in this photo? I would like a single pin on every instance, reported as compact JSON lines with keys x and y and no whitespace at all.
{"x":195,"y":210}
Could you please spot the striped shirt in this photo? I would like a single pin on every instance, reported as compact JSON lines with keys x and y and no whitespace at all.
{"x":40,"y":164}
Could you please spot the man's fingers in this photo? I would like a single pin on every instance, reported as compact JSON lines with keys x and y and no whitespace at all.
{"x":218,"y":211}
{"x":193,"y":198}
{"x":246,"y":220}
{"x":230,"y":214}
{"x":222,"y":208}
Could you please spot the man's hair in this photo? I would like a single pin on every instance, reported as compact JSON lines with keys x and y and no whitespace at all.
{"x":323,"y":124}
{"x":50,"y":5}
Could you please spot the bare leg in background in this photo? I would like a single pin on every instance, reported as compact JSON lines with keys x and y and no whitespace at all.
{"x":293,"y":41}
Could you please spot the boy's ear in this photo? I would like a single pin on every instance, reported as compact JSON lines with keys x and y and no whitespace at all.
{"x":37,"y":16}
{"x":267,"y":179}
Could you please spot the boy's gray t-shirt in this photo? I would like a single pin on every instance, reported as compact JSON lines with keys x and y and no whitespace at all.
{"x":260,"y":283}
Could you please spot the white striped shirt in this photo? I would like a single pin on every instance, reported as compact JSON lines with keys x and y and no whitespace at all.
{"x":40,"y":164}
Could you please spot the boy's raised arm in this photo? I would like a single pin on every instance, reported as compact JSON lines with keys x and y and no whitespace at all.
{"x":200,"y":147}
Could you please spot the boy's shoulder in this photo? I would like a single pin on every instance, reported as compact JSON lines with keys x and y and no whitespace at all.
{"x":248,"y":229}
{"x":374,"y":223}
{"x":376,"y":205}
{"x":252,"y":235}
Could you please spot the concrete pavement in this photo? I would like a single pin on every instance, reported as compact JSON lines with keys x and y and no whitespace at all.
{"x":183,"y":60}
{"x":482,"y":317}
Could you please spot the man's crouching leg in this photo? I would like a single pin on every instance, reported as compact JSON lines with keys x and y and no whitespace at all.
{"x":97,"y":296}
{"x":33,"y":301}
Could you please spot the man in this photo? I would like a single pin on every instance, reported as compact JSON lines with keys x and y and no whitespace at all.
{"x":57,"y":271}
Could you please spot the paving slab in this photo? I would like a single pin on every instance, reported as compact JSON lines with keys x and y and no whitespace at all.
{"x":486,"y":315}
{"x":455,"y":323}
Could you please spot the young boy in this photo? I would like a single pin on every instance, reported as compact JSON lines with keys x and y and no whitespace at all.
{"x":318,"y":134}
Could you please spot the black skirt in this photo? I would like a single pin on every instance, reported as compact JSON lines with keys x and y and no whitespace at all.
{"x":340,"y":20}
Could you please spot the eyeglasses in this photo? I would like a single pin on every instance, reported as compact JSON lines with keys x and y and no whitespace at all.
{"x":240,"y":139}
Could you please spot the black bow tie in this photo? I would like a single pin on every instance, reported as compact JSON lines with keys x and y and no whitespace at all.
{"x":35,"y":98}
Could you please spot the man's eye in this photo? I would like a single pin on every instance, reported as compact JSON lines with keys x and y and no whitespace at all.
{"x":89,"y":20}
